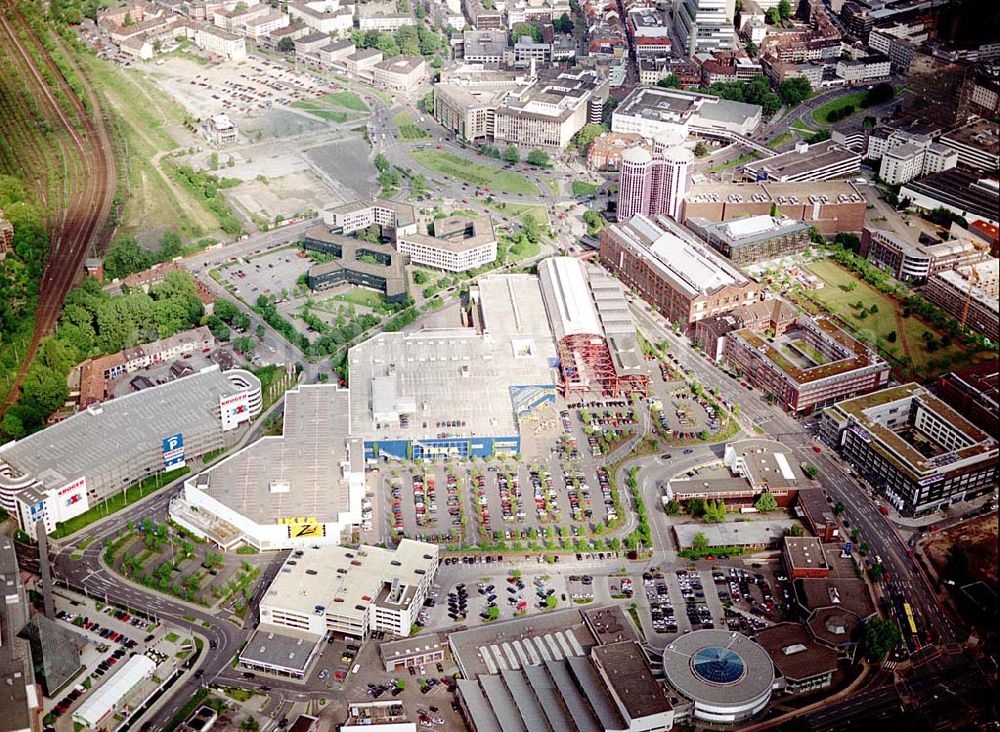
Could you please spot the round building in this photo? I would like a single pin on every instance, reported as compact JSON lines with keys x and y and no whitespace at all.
{"x":726,"y":676}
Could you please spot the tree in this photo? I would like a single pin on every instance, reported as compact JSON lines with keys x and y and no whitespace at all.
{"x":511,"y":155}
{"x":125,"y":256}
{"x":538,"y":158}
{"x":880,"y":638}
{"x":563,"y":24}
{"x":700,"y":149}
{"x":810,"y":470}
{"x":532,"y":30}
{"x":670,"y":81}
{"x":794,"y":91}
{"x":286,"y":45}
{"x":751,"y":48}
{"x":244,"y":344}
{"x":773,"y":16}
{"x":381,"y":163}
{"x":875,"y":572}
{"x":700,"y":543}
{"x":589,"y":133}
{"x":838,"y":508}
{"x":672,"y":507}
{"x":695,"y":507}
{"x":891,"y":336}
{"x":766,"y":503}
{"x":785,"y":9}
{"x":794,"y":530}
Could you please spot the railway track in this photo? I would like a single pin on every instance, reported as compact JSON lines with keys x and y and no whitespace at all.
{"x":90,"y":181}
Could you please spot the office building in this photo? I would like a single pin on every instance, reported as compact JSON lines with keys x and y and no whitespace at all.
{"x":364,"y":590}
{"x":753,"y":239}
{"x":704,"y":26}
{"x":401,"y":73}
{"x":650,"y":34}
{"x":819,"y":161}
{"x":811,"y":365}
{"x":831,"y":206}
{"x":960,"y":191}
{"x":913,"y":448}
{"x":484,"y":46}
{"x":902,"y":163}
{"x":551,"y":110}
{"x":977,"y":145}
{"x":802,"y":664}
{"x":914,"y":260}
{"x":468,"y":111}
{"x":975,"y":392}
{"x":865,"y":70}
{"x":803,"y":556}
{"x":20,"y":704}
{"x":773,"y":316}
{"x":654,"y":112}
{"x":725,"y":676}
{"x":652,"y":184}
{"x":459,"y":243}
{"x":672,"y":271}
{"x":969,"y":294}
{"x":357,"y":262}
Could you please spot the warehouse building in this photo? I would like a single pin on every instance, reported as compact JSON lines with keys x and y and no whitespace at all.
{"x":69,"y":467}
{"x":456,"y":391}
{"x":725,"y":677}
{"x":302,"y":487}
{"x":748,"y":535}
{"x":595,"y":337}
{"x":912,"y":447}
{"x":753,"y":239}
{"x":811,"y":365}
{"x":831,"y":206}
{"x":819,"y":161}
{"x":112,"y":694}
{"x":459,"y":243}
{"x":674,"y":272}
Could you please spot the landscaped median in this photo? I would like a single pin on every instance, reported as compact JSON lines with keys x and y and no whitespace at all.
{"x":117,"y":502}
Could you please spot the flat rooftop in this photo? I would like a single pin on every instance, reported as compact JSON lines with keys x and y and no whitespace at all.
{"x":300,"y":472}
{"x":981,"y":134}
{"x":272,"y":645}
{"x":457,"y":233}
{"x":798,"y":360}
{"x":743,"y":533}
{"x":455,"y":382}
{"x":794,"y":652}
{"x":343,"y":580}
{"x":718,"y":667}
{"x":121,"y":430}
{"x":834,"y":191}
{"x":516,"y":644}
{"x":805,"y":552}
{"x":817,"y":156}
{"x":628,"y":674}
{"x":961,"y":189}
{"x":689,"y":266}
{"x":768,"y":463}
{"x":610,"y":624}
{"x":863,"y":411}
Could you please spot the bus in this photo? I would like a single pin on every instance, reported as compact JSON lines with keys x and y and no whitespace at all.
{"x":909,"y":618}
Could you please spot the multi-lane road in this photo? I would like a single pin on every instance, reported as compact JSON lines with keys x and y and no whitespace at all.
{"x":861,"y":511}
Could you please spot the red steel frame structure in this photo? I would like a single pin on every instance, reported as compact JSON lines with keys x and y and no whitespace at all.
{"x":585,"y":361}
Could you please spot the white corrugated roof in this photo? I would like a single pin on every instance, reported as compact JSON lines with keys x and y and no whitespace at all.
{"x":567,"y":297}
{"x":106,"y":697}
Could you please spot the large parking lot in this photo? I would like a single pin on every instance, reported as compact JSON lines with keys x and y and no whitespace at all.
{"x":235,"y":87}
{"x":273,"y":273}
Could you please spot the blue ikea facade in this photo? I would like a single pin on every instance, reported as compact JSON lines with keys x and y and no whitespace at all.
{"x":524,"y":400}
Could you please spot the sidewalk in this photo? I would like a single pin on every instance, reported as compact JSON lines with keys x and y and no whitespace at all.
{"x":957,"y":512}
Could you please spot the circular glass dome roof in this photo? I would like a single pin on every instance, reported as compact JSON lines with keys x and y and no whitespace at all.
{"x":717,"y":665}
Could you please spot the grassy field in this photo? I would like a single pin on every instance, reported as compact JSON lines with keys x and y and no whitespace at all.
{"x":144,"y":113}
{"x":320,"y":110}
{"x":746,"y":158}
{"x":821,"y":114}
{"x":798,"y":124}
{"x":408,"y":129}
{"x":783,"y":139}
{"x":347,"y":100}
{"x":520,"y":210}
{"x":584,"y":188}
{"x":359,"y":296}
{"x":477,"y":174}
{"x":840,"y":301}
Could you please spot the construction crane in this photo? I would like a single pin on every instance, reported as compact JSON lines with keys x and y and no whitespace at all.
{"x":973,"y":283}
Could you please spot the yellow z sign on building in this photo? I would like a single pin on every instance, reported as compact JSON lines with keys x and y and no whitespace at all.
{"x":303,"y":527}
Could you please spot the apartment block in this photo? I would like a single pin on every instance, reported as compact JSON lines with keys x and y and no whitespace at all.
{"x":969,"y":294}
